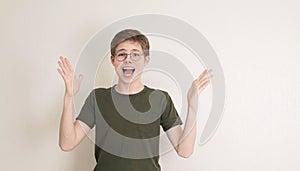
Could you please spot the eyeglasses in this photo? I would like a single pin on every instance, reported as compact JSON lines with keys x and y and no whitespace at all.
{"x":135,"y":56}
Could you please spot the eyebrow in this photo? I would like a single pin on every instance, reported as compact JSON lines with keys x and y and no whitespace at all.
{"x":133,"y":50}
{"x":120,"y":50}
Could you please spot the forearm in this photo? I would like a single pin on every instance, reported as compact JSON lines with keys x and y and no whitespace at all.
{"x":67,"y":134}
{"x":184,"y":140}
{"x":188,"y":138}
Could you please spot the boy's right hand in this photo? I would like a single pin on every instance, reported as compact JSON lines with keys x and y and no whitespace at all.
{"x":72,"y":83}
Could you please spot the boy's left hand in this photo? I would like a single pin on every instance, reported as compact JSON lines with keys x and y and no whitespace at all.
{"x":197,"y":87}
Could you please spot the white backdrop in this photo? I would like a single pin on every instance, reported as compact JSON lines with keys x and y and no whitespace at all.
{"x":258,"y":46}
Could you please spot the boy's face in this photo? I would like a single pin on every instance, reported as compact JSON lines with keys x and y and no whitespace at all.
{"x":131,"y":68}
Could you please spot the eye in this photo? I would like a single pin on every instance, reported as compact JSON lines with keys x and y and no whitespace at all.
{"x":136,"y":54}
{"x":122,"y":54}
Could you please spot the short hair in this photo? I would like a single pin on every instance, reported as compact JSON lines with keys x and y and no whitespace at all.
{"x":130,"y":35}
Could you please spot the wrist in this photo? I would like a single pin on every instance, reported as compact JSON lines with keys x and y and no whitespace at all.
{"x":68,"y":96}
{"x":192,"y":108}
{"x":69,"y":93}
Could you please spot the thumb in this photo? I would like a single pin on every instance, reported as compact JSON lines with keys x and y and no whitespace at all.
{"x":80,"y":77}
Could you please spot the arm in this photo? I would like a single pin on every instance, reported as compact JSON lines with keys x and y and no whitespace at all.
{"x":184,"y":140}
{"x":70,"y":132}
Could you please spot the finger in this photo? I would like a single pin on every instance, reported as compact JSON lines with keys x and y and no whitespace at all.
{"x":203,"y":85}
{"x":209,"y":72}
{"x":199,"y":82}
{"x":203,"y":74}
{"x":66,"y":65}
{"x":61,"y":73}
{"x":204,"y":78}
{"x":62,"y":61}
{"x":62,"y":67}
{"x":69,"y":65}
{"x":80,"y":78}
{"x":208,"y":75}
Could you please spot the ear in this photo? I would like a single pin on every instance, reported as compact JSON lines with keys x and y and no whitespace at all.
{"x":112,"y":59}
{"x":147,"y":60}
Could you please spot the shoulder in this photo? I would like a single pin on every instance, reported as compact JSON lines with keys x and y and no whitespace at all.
{"x":155,"y":89}
{"x":159,"y":93}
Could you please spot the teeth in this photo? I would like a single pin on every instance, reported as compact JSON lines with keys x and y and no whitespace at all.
{"x":128,"y":71}
{"x":128,"y":68}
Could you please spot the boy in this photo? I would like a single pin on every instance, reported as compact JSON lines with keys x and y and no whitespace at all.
{"x":128,"y":109}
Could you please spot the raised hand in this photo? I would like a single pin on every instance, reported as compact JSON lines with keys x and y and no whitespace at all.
{"x":72,"y":83}
{"x":197,"y":87}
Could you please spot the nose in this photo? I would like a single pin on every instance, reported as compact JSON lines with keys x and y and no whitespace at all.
{"x":128,"y":59}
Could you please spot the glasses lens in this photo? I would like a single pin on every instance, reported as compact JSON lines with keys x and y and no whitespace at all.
{"x":121,"y":56}
{"x":135,"y":56}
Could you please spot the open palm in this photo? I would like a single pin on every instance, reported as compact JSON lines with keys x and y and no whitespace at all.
{"x":72,"y":82}
{"x":197,"y":87}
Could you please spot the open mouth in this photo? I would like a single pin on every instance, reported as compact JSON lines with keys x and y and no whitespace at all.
{"x":128,"y":71}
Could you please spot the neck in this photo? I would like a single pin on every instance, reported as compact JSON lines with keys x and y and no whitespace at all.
{"x":129,"y":88}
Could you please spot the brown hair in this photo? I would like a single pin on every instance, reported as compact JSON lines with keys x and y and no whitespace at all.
{"x":131,"y":35}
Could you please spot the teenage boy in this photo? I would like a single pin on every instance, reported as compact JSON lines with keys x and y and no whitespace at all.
{"x":129,"y":98}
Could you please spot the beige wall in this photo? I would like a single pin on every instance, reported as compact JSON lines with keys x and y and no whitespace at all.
{"x":258,"y":47}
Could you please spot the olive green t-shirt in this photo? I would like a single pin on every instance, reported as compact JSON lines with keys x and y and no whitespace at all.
{"x":127,"y":127}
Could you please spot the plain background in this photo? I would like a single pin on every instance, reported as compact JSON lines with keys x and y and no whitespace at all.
{"x":258,"y":46}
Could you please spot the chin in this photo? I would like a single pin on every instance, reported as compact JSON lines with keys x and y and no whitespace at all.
{"x":128,"y":80}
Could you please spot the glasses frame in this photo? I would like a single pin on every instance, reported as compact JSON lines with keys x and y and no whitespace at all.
{"x":128,"y":54}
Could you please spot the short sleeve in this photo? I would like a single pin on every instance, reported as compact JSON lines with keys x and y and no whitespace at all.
{"x":169,"y":117}
{"x":87,"y":113}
